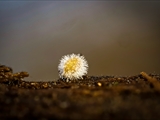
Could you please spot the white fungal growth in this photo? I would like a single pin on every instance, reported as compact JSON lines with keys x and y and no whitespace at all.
{"x":73,"y":67}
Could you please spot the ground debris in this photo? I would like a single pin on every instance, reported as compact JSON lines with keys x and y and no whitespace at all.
{"x":153,"y":81}
{"x":93,"y":97}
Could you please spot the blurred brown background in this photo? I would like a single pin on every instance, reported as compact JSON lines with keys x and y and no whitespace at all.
{"x":117,"y":38}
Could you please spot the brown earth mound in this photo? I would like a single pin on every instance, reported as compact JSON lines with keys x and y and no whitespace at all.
{"x":93,"y":97}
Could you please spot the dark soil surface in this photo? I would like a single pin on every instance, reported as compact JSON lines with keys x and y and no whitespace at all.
{"x":93,"y":97}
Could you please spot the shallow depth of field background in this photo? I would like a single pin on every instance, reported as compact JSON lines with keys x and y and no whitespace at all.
{"x":117,"y":38}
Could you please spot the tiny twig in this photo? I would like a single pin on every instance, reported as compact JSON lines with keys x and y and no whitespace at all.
{"x":152,"y":80}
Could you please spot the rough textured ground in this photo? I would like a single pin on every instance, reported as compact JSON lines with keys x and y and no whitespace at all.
{"x":94,"y":97}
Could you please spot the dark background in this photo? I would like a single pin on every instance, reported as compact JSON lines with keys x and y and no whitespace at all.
{"x":117,"y":38}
